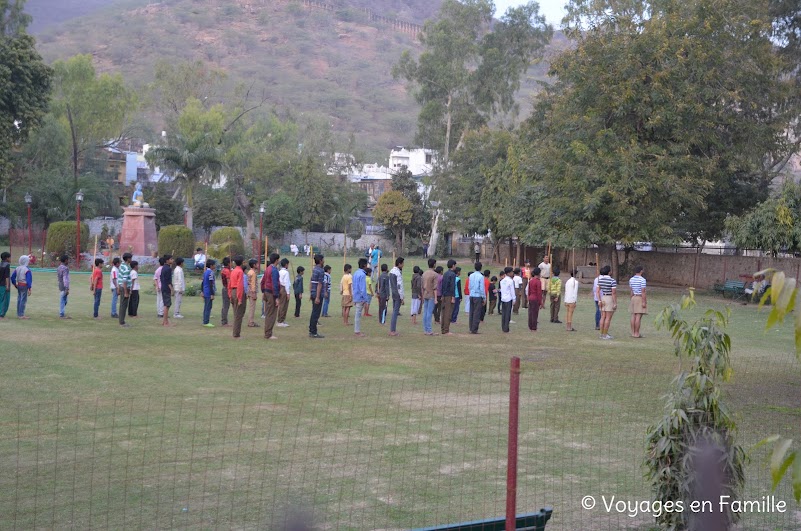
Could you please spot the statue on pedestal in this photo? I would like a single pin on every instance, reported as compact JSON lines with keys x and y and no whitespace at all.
{"x":138,"y":198}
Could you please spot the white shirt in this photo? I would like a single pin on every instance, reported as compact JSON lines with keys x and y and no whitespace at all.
{"x":399,"y":275}
{"x":200,"y":258}
{"x":178,"y":282}
{"x":134,"y":280}
{"x":545,"y":270}
{"x":115,"y":274}
{"x":571,"y":291}
{"x":595,"y":289}
{"x":284,"y":280}
{"x":518,"y":281}
{"x":507,"y":290}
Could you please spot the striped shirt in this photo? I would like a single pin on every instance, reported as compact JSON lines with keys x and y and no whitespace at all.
{"x":124,"y":279}
{"x":606,"y":284}
{"x":637,"y":284}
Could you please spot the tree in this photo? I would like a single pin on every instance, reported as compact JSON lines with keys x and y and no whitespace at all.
{"x":469,"y":73}
{"x":394,"y":212}
{"x":214,"y":208}
{"x":96,"y":110}
{"x":169,"y":211}
{"x":177,"y":83}
{"x":281,"y":214}
{"x":403,"y":181}
{"x":773,"y":225}
{"x":659,"y":112}
{"x":311,"y":191}
{"x":25,"y":83}
{"x":349,"y":201}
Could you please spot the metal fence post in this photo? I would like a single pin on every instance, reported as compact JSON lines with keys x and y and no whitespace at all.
{"x":511,"y":464}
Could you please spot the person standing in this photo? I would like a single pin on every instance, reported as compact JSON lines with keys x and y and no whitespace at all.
{"x":286,"y":291}
{"x":429,"y":279}
{"x":236,"y":293}
{"x":225,"y":277}
{"x":555,"y":294}
{"x":507,"y":298}
{"x":545,"y":276}
{"x":179,"y":283}
{"x":253,"y":293}
{"x":326,"y":290}
{"x":22,"y":279}
{"x":346,"y":290}
{"x":375,"y":258}
{"x":448,"y":298}
{"x":297,"y":288}
{"x":96,"y":285}
{"x":526,"y":275}
{"x":63,"y":275}
{"x":316,"y":293}
{"x":493,"y":294}
{"x":359,"y":289}
{"x":417,"y":293}
{"x":383,"y":293}
{"x":396,"y":287}
{"x":167,"y":288}
{"x":595,"y":296}
{"x":5,"y":283}
{"x":534,"y":296}
{"x":639,"y":303}
{"x":114,"y":282}
{"x":486,"y":294}
{"x":208,"y":290}
{"x":517,"y":280}
{"x":425,"y":249}
{"x":133,"y":304}
{"x":607,"y":294}
{"x":271,"y":294}
{"x":124,"y":288}
{"x":157,"y":287}
{"x":571,"y":298}
{"x":438,"y":305}
{"x":477,"y":297}
{"x":370,"y":292}
{"x":457,"y":294}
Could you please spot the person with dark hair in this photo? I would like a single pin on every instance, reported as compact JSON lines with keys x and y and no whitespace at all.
{"x":396,"y":287}
{"x":237,"y":294}
{"x":167,"y":288}
{"x":518,"y":282}
{"x":639,"y":303}
{"x":326,"y":290}
{"x":448,"y":298}
{"x":429,"y":281}
{"x":124,"y":283}
{"x":253,"y":292}
{"x":438,"y":304}
{"x":179,"y":285}
{"x":200,"y":260}
{"x":507,"y":298}
{"x":133,"y":304}
{"x":5,"y":283}
{"x":286,"y":291}
{"x":607,"y":294}
{"x":225,"y":277}
{"x":486,"y":294}
{"x":63,"y":275}
{"x":115,"y":286}
{"x":96,"y":285}
{"x":571,"y":298}
{"x":370,"y":291}
{"x":555,"y":294}
{"x":493,"y":294}
{"x":297,"y":288}
{"x":157,"y":287}
{"x":417,"y":293}
{"x":359,"y":289}
{"x":208,"y":291}
{"x":271,"y":295}
{"x":316,"y":294}
{"x":477,"y":297}
{"x":383,"y":293}
{"x":457,"y":294}
{"x":534,"y":296}
{"x":346,"y":290}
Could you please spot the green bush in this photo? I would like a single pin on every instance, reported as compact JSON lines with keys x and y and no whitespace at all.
{"x":193,"y":290}
{"x":61,"y":237}
{"x":176,"y":240}
{"x":227,"y":242}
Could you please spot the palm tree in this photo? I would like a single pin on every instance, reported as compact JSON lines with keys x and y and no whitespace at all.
{"x":195,"y":160}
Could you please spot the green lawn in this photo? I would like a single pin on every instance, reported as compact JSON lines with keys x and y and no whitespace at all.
{"x":155,"y":428}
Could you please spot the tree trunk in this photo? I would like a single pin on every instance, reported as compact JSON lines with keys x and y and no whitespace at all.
{"x":74,"y":148}
{"x":244,"y":205}
{"x":190,"y":206}
{"x":403,"y":240}
{"x":448,"y":124}
{"x":432,"y":244}
{"x":615,"y":263}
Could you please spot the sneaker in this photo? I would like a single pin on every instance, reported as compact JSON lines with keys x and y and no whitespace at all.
{"x":558,"y":321}
{"x":115,"y":316}
{"x":208,"y":325}
{"x":316,"y":336}
{"x":609,"y":337}
{"x":512,"y":322}
{"x":282,"y":325}
{"x":178,"y":316}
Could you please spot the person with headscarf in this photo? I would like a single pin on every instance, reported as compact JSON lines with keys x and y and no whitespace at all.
{"x":22,"y":279}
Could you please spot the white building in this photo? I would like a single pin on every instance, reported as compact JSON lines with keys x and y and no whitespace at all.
{"x":419,"y":161}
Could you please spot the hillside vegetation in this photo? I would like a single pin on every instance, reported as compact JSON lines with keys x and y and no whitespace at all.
{"x":331,"y":63}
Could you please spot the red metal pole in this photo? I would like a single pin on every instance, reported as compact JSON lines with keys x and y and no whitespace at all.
{"x":30,"y":233}
{"x":261,"y":239}
{"x":78,"y":228}
{"x":511,"y":464}
{"x":185,"y":218}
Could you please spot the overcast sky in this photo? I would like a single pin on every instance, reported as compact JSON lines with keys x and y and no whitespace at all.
{"x":553,"y":10}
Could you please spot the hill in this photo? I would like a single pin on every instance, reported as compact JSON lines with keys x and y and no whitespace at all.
{"x":332,"y":62}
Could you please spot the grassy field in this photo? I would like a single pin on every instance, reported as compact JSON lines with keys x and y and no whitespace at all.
{"x":183,"y":427}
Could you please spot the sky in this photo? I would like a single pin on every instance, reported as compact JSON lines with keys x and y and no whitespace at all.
{"x":553,"y":10}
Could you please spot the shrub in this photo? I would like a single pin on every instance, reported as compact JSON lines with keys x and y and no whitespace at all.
{"x":177,"y":240}
{"x":61,"y":237}
{"x":228,"y":242}
{"x":193,"y":290}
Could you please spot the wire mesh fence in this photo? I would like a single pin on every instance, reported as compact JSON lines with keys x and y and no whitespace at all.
{"x":390,"y":454}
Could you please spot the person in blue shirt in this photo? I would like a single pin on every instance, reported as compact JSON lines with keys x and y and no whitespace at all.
{"x":326,"y":290}
{"x":22,"y":279}
{"x":375,"y":256}
{"x":209,"y":290}
{"x":477,"y":297}
{"x":359,"y":295}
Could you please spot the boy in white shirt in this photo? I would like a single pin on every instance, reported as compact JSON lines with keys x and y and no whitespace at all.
{"x":133,"y":304}
{"x":571,"y":298}
{"x":508,"y":298}
{"x":286,"y":293}
{"x":115,"y":275}
{"x":179,"y":284}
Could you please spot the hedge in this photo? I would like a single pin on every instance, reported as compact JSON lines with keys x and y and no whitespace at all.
{"x":61,"y":237}
{"x":176,"y":240}
{"x":227,"y":241}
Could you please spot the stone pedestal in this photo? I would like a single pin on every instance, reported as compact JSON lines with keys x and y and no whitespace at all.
{"x":138,"y":235}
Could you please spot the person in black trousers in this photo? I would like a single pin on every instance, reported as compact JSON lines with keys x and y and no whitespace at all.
{"x":297,"y":287}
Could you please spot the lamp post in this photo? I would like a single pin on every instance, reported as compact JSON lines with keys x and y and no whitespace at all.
{"x":28,"y":201}
{"x":78,"y":201}
{"x":186,"y":212}
{"x":261,"y":233}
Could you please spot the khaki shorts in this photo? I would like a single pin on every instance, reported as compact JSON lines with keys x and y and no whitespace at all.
{"x":635,"y":305}
{"x":347,"y":301}
{"x":608,"y":302}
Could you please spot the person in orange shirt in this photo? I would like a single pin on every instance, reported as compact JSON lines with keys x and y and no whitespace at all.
{"x":236,"y":292}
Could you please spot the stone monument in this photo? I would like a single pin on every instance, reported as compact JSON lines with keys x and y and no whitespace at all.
{"x":138,"y":235}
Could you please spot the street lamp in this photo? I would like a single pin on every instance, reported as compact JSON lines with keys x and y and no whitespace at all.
{"x":28,"y":201}
{"x":261,"y":233}
{"x":186,"y":212}
{"x":78,"y":201}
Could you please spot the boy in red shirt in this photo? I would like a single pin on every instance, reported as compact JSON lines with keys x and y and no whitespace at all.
{"x":236,"y":292}
{"x":534,"y":297}
{"x":97,"y":284}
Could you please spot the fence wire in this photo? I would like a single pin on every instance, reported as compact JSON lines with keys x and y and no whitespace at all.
{"x":389,"y":454}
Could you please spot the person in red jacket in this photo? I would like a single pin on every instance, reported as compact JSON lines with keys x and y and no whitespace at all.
{"x":534,"y":296}
{"x":236,"y":292}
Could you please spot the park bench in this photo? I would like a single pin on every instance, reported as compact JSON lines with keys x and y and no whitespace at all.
{"x":734,"y":287}
{"x":284,"y":250}
{"x":524,"y":522}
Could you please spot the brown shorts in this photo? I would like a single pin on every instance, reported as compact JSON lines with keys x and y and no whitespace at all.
{"x":347,"y":301}
{"x":635,"y":305}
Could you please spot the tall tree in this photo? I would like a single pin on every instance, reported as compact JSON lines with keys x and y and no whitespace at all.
{"x":394,"y":212}
{"x":24,"y":83}
{"x":469,"y":70}
{"x":773,"y":225}
{"x":175,"y":84}
{"x":404,"y":182}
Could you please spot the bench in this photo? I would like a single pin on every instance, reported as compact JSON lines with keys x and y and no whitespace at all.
{"x":735,"y":287}
{"x":524,"y":522}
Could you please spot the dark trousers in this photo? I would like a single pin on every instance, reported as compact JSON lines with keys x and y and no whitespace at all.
{"x":298,"y":299}
{"x":555,"y":300}
{"x":133,"y":306}
{"x":98,"y":294}
{"x":123,"y":309}
{"x":437,"y":309}
{"x":516,"y":307}
{"x":225,"y":306}
{"x":208,"y":302}
{"x":506,"y":315}
{"x":382,"y":310}
{"x":533,"y":315}
{"x":283,"y":306}
{"x":476,"y":307}
{"x":447,"y":310}
{"x":483,"y":311}
{"x":455,"y":311}
{"x":239,"y":311}
{"x":396,"y":305}
{"x":317,"y":310}
{"x":597,"y":315}
{"x":270,"y":313}
{"x":492,"y":306}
